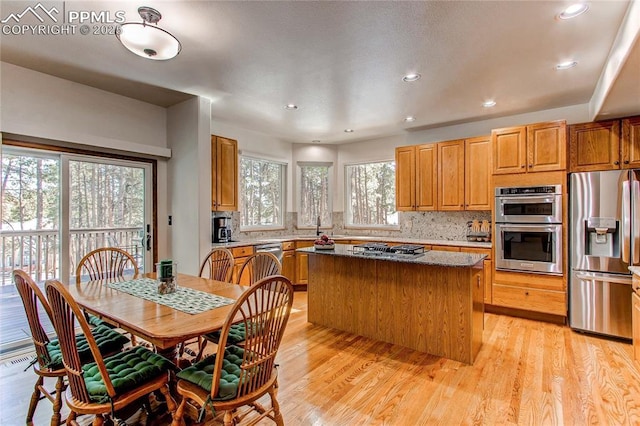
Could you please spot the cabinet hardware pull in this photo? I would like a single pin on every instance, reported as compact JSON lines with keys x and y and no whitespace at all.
{"x":626,"y":161}
{"x":526,"y":293}
{"x":523,"y":166}
{"x":616,"y":162}
{"x":530,"y":165}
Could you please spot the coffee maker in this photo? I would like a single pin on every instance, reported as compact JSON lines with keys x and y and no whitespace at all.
{"x":221,"y":229}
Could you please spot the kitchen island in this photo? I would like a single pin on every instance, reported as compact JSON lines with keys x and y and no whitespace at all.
{"x":431,"y":302}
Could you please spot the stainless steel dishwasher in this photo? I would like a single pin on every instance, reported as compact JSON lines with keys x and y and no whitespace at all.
{"x":273,"y":248}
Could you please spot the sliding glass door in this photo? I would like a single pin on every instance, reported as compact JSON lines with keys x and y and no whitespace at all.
{"x":56,"y":207}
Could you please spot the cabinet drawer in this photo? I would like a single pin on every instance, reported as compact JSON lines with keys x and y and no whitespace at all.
{"x":445,"y":248}
{"x":304,"y":243}
{"x":288,"y":245}
{"x":477,"y":250}
{"x":242,"y":251}
{"x":530,"y":299}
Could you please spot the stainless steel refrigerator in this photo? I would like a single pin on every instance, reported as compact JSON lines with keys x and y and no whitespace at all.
{"x":604,"y":238}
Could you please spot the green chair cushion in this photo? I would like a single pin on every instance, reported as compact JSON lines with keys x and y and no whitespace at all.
{"x":201,"y":373}
{"x":236,"y":334}
{"x":94,"y":321}
{"x":127,"y":370}
{"x":107,"y":339}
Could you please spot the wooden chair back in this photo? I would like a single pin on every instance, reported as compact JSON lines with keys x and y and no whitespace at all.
{"x":218,"y":265}
{"x":32,"y":296}
{"x":105,"y":263}
{"x":67,"y":315}
{"x":258,"y":266}
{"x":264,"y":310}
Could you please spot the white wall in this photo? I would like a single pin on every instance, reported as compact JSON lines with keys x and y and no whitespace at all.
{"x":189,"y":182}
{"x":38,"y":105}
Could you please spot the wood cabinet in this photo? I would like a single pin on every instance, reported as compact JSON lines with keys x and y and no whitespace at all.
{"x":224,"y":174}
{"x":416,"y":177}
{"x":487,"y":272}
{"x":477,"y":174}
{"x":635,"y":315}
{"x":539,"y":147}
{"x":451,"y":175}
{"x":289,"y":260}
{"x":240,"y":255}
{"x":444,"y":176}
{"x":604,"y":145}
{"x":302,"y":263}
{"x":530,"y":292}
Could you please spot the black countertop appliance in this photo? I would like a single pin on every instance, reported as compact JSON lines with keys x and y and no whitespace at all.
{"x":221,"y":229}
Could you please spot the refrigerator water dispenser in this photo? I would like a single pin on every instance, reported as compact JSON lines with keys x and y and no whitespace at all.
{"x":602,"y":236}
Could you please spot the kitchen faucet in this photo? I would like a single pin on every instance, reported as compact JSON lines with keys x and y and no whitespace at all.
{"x":318,"y":227}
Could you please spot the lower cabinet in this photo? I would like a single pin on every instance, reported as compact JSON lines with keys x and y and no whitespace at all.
{"x":289,"y":260}
{"x":302,"y":264}
{"x":487,"y":272}
{"x":240,"y":255}
{"x":530,"y":292}
{"x":635,"y":298}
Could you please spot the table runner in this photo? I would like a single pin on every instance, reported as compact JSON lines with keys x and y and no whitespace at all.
{"x":184,"y":299}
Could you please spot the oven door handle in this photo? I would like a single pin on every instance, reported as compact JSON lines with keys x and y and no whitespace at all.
{"x":530,"y":199}
{"x":524,"y":227}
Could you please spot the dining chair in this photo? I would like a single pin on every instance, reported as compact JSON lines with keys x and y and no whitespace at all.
{"x":108,"y":384}
{"x":217,"y":265}
{"x":257,"y":266}
{"x":105,"y":263}
{"x":48,"y":362}
{"x":235,"y":376}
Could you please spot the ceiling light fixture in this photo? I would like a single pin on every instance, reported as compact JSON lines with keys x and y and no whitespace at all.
{"x":348,"y":130}
{"x":411,"y":77}
{"x":489,"y":104}
{"x":291,"y":106}
{"x":148,"y":40}
{"x":409,"y":119}
{"x":315,"y":141}
{"x":566,"y":65}
{"x":573,"y":11}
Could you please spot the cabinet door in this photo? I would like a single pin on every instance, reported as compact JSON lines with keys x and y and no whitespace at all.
{"x":631,"y":143}
{"x":509,"y":150}
{"x":547,"y":146}
{"x":477,"y":174}
{"x":426,"y":177}
{"x":302,"y":268}
{"x":226,"y":172}
{"x":594,"y":146}
{"x":405,"y":178}
{"x":289,"y":265}
{"x":635,"y":315}
{"x":451,"y":175}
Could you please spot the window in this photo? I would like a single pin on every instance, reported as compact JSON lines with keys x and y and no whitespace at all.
{"x":314,"y":194}
{"x":370,"y":194}
{"x":261,"y":193}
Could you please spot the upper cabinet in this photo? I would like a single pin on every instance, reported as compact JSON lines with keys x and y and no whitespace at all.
{"x":224,"y":174}
{"x":537,"y":147}
{"x":604,"y":145}
{"x":452,"y":175}
{"x":416,"y":177}
{"x":477,"y":176}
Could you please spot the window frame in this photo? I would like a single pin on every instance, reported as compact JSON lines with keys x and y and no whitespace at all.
{"x":330,"y":166}
{"x":347,"y":200}
{"x":283,"y":187}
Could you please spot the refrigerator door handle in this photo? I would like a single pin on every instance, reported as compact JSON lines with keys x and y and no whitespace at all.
{"x":608,"y":278}
{"x":625,"y":206}
{"x":635,"y":212}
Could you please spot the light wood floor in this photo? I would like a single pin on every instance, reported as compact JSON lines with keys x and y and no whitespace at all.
{"x":527,"y":373}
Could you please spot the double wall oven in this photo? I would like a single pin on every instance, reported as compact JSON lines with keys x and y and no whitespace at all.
{"x":528,"y":227}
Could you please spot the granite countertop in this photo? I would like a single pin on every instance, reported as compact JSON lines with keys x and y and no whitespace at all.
{"x":430,"y":257}
{"x":635,"y":270}
{"x":471,"y":244}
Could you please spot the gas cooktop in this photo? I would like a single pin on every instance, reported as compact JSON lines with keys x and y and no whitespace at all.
{"x":383,"y":249}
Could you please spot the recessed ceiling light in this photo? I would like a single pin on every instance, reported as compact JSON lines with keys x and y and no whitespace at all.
{"x":409,"y":119}
{"x":574,"y":10}
{"x":348,"y":130}
{"x":489,"y":104}
{"x":566,"y":65}
{"x":411,"y":77}
{"x":291,"y":106}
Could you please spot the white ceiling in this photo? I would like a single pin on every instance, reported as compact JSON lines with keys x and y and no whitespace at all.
{"x":342,"y":62}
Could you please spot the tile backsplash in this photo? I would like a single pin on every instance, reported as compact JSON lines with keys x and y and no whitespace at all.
{"x":429,"y":225}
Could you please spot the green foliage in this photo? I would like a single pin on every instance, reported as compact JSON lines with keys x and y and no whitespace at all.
{"x":314,"y":196}
{"x":261,"y":192}
{"x":371,"y":194}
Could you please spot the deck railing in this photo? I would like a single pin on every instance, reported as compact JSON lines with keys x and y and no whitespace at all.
{"x":38,"y":252}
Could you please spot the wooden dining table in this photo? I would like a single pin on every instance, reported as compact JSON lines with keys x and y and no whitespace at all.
{"x":160,"y":325}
